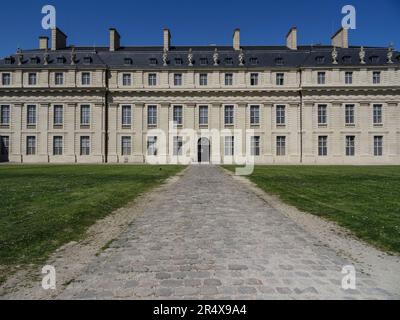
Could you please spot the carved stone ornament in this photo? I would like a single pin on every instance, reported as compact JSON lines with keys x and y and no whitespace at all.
{"x":362,"y":55}
{"x":334,"y":56}
{"x":216,"y":57}
{"x":390,"y":55}
{"x":46,"y":57}
{"x":20,"y":56}
{"x":165,"y":58}
{"x":241,"y":58}
{"x":190,"y":57}
{"x":73,"y":56}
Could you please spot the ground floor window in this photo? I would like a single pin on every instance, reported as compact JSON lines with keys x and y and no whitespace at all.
{"x":255,"y":146}
{"x":229,"y":146}
{"x":31,"y":145}
{"x":378,"y":146}
{"x":85,"y":146}
{"x":280,"y":146}
{"x":58,"y":146}
{"x":323,"y":146}
{"x":126,"y":148}
{"x":4,"y":145}
{"x":152,"y":146}
{"x":350,"y":146}
{"x":178,"y":146}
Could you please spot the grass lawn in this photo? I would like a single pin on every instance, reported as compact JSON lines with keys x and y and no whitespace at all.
{"x":365,"y":200}
{"x":44,"y":207}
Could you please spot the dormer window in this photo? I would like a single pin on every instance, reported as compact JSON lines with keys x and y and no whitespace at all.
{"x":203,"y":61}
{"x":279,"y":61}
{"x":178,"y":61}
{"x":60,"y":60}
{"x":8,"y":60}
{"x":153,"y":61}
{"x":346,"y":59}
{"x":374,"y":59}
{"x":254,"y":61}
{"x":128,"y":61}
{"x":34,"y":60}
{"x":320,"y":59}
{"x":87,"y":60}
{"x":229,"y":61}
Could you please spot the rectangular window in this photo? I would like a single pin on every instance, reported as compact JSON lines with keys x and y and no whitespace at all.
{"x":85,"y":78}
{"x":348,"y":77}
{"x":32,"y":79}
{"x":127,"y":79}
{"x":254,"y":115}
{"x":30,"y":145}
{"x":323,"y":146}
{"x":280,"y":115}
{"x":58,"y":115}
{"x":254,"y":79}
{"x":59,"y":78}
{"x":126,"y":146}
{"x":322,"y":114}
{"x":321,"y":77}
{"x":152,"y":115}
{"x":280,"y":79}
{"x":376,"y":77}
{"x":178,"y":115}
{"x":31,"y":115}
{"x":377,"y":114}
{"x":280,"y":146}
{"x":177,"y":79}
{"x":229,"y":146}
{"x":4,"y":145}
{"x":152,"y":146}
{"x":203,"y":115}
{"x":350,"y":146}
{"x":378,"y":146}
{"x":126,"y":116}
{"x":203,"y":79}
{"x":228,"y":79}
{"x":4,"y":115}
{"x":85,"y":146}
{"x":152,"y":79}
{"x":349,"y":114}
{"x":85,"y":115}
{"x":229,"y":115}
{"x":255,"y":146}
{"x":57,"y":146}
{"x":178,"y":146}
{"x":6,"y":79}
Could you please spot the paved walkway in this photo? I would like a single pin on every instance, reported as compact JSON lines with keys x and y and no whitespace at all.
{"x":208,"y":237}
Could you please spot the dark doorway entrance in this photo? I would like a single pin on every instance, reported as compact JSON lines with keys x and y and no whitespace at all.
{"x":204,"y":150}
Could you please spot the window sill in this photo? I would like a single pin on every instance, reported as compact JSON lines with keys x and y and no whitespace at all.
{"x":126,"y":127}
{"x":255,"y":126}
{"x":322,"y":126}
{"x":281,"y":126}
{"x":31,"y":126}
{"x":203,"y":126}
{"x":4,"y":126}
{"x":378,"y":125}
{"x":350,"y":125}
{"x":58,"y":126}
{"x":152,"y":126}
{"x":85,"y":126}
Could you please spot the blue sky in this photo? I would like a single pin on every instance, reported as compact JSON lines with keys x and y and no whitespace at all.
{"x":204,"y":22}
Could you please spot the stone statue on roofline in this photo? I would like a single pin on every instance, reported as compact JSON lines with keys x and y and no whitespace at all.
{"x":216,"y":57}
{"x":362,"y":55}
{"x":241,"y":58}
{"x":165,"y":58}
{"x":390,"y":55}
{"x":334,"y":56}
{"x":190,"y":57}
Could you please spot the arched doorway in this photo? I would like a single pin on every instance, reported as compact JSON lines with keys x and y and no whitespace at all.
{"x":204,"y":150}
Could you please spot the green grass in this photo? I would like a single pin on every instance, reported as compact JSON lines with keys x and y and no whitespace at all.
{"x":366,"y":200}
{"x":44,"y":207}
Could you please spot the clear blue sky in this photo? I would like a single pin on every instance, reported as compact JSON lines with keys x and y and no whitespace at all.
{"x":204,"y":22}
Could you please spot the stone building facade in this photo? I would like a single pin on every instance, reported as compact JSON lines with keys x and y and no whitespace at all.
{"x":333,"y":104}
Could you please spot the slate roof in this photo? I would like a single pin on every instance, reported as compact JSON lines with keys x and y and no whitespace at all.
{"x":254,"y":57}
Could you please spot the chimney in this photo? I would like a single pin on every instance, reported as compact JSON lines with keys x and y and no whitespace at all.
{"x":58,"y":39}
{"x":167,"y":39}
{"x":291,"y":39}
{"x":341,"y":38}
{"x":43,"y":43}
{"x":115,"y":39}
{"x":236,"y":39}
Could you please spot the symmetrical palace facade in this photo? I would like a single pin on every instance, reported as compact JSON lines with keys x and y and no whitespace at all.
{"x":335,"y":104}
